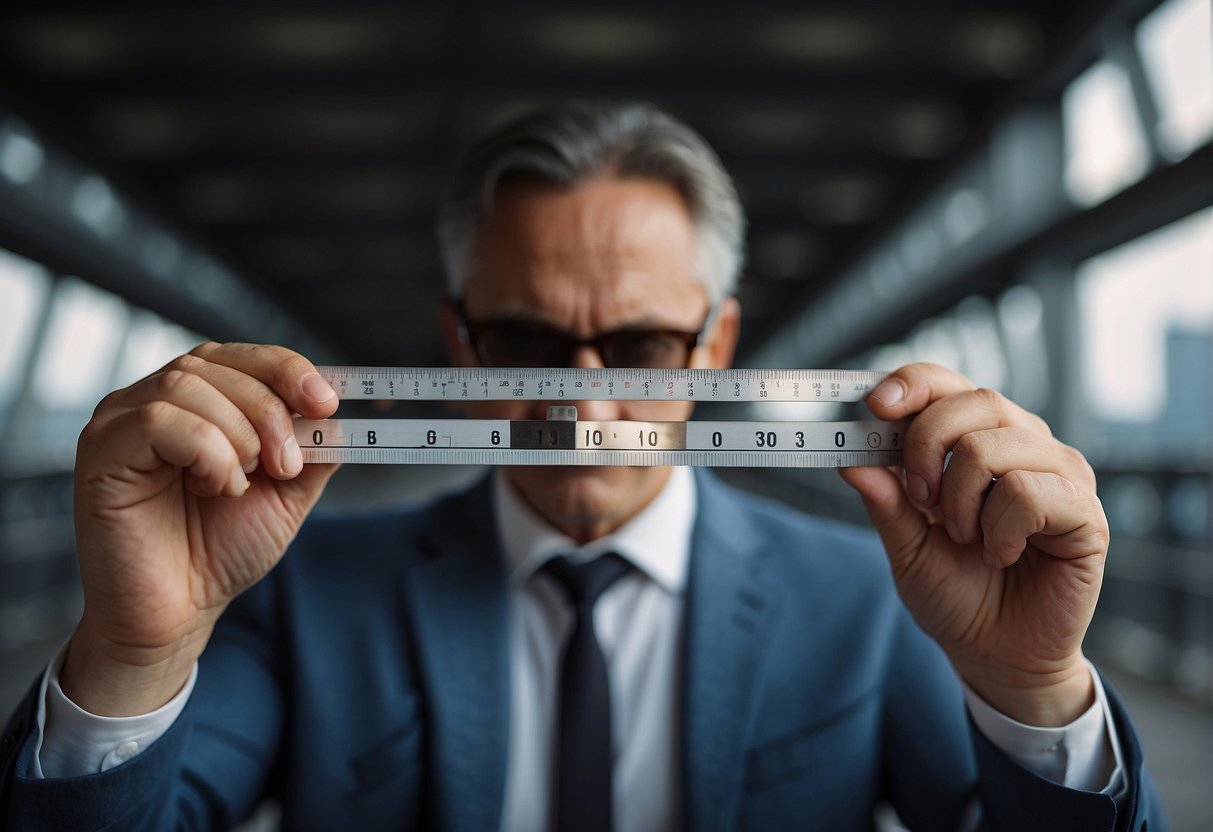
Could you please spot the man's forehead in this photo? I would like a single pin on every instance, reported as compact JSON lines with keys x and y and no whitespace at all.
{"x":605,"y":213}
{"x":627,"y":241}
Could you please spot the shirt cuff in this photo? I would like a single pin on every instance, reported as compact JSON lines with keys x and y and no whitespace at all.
{"x":73,"y":742}
{"x":1082,"y":755}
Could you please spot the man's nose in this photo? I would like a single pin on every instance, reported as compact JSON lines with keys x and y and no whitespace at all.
{"x":587,"y":356}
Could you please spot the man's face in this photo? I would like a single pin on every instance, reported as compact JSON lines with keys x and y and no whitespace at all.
{"x":608,"y":254}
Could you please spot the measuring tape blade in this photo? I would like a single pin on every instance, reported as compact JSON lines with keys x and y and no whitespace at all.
{"x":614,"y":443}
{"x":599,"y":384}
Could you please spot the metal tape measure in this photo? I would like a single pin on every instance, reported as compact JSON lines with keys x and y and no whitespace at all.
{"x":562,"y":439}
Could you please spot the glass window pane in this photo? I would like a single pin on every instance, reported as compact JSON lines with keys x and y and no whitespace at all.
{"x":980,"y":342}
{"x":1146,"y":311}
{"x":1177,"y":51}
{"x":150,"y":344}
{"x":76,"y":363}
{"x":1105,"y":147}
{"x":23,"y":285}
{"x":1021,"y":315}
{"x":936,"y":341}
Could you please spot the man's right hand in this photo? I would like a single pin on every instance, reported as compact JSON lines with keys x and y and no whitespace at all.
{"x":170,"y":527}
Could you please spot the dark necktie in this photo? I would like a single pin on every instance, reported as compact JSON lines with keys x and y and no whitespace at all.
{"x":583,"y":751}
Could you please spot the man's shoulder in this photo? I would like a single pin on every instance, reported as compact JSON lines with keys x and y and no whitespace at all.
{"x":397,"y":533}
{"x":769,"y":518}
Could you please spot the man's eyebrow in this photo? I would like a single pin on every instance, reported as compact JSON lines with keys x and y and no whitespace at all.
{"x":529,"y":318}
{"x":648,"y":323}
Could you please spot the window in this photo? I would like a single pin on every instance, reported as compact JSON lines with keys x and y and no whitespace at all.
{"x":151,"y":342}
{"x":1105,"y":147}
{"x":75,"y":364}
{"x":1177,"y":52}
{"x":93,"y":342}
{"x":24,"y":286}
{"x":1146,"y":312}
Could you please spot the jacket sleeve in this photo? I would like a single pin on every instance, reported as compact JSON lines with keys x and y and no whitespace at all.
{"x":942,"y":772}
{"x":1017,"y":799}
{"x":135,"y":795}
{"x":208,"y":770}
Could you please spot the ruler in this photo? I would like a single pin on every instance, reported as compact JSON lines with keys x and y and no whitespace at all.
{"x":563,"y":439}
{"x":599,"y":384}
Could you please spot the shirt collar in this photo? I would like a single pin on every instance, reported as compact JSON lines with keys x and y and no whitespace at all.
{"x":656,"y":541}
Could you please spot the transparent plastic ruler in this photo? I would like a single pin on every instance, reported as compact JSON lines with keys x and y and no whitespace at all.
{"x":563,"y":439}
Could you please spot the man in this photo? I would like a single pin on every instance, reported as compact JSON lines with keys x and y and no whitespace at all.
{"x":411,"y":669}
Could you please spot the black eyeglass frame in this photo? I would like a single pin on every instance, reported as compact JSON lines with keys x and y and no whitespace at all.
{"x":470,"y":331}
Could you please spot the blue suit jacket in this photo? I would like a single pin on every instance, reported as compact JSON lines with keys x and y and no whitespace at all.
{"x":364,"y":683}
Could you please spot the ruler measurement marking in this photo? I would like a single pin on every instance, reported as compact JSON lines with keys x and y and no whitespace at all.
{"x":438,"y":384}
{"x":497,"y":456}
{"x":541,"y":442}
{"x":558,"y":442}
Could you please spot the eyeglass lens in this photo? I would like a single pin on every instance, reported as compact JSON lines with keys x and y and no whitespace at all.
{"x":521,"y":345}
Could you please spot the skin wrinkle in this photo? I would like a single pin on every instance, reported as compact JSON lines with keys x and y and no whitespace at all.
{"x":972,"y":446}
{"x":951,"y":421}
{"x":1017,"y":486}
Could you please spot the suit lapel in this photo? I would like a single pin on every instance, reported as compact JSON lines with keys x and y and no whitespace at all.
{"x":456,"y":600}
{"x":730,"y":611}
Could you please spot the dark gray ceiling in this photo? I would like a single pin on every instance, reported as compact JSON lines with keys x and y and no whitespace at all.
{"x":306,"y":143}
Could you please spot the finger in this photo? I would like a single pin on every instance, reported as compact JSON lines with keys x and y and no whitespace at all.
{"x":291,"y":376}
{"x":264,"y":408}
{"x":191,"y":391}
{"x":1043,"y":509}
{"x":934,"y":432}
{"x":981,"y":457}
{"x":901,"y":526}
{"x":909,"y":389}
{"x":158,"y":434}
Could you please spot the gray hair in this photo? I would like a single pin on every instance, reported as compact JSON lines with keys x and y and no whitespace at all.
{"x":571,"y":142}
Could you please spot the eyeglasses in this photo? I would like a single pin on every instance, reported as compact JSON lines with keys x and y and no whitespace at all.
{"x":511,"y":343}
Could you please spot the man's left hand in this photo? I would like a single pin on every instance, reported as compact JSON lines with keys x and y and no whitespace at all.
{"x":998,"y":551}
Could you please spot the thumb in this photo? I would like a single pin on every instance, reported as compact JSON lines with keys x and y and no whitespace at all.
{"x":901,"y":526}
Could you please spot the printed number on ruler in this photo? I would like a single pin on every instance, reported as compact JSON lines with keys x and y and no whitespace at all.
{"x":559,"y":441}
{"x":556,"y":442}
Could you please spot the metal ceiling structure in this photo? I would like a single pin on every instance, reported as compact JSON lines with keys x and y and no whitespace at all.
{"x":303,"y":147}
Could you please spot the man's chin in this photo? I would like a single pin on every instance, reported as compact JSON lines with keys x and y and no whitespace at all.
{"x":584,"y":501}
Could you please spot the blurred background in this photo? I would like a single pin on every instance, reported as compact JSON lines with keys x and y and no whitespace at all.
{"x":1021,"y":190}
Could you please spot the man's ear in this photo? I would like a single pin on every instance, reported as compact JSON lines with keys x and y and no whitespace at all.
{"x":722,"y":340}
{"x":458,"y":352}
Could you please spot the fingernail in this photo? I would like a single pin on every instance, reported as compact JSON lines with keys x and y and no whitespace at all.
{"x":917,"y":488}
{"x":316,"y":388}
{"x":252,"y":466}
{"x":889,"y":392}
{"x":292,"y":457}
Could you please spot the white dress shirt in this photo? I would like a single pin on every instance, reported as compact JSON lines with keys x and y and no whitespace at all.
{"x":638,"y":622}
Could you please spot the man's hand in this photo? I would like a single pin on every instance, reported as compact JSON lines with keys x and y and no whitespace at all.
{"x":170,"y":527}
{"x":999,"y":556}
